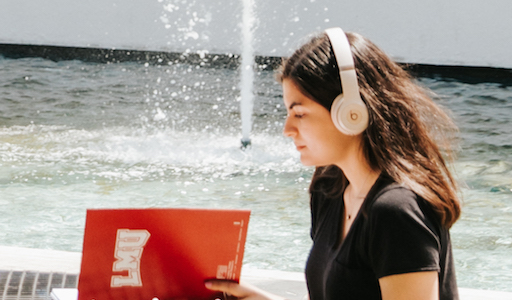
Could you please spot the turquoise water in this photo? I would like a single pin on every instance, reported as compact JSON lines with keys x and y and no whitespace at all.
{"x":77,"y":135}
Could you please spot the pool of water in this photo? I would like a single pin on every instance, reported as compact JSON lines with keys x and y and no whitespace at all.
{"x":77,"y":135}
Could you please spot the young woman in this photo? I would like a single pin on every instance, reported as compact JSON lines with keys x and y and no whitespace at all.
{"x":382,"y":197}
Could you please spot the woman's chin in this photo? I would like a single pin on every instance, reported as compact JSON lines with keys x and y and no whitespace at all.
{"x":307,"y":162}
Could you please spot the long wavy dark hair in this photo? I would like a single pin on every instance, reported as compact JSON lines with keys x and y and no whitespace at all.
{"x":408,"y":136}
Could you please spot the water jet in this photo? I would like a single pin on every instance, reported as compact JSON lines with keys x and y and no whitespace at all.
{"x":247,"y":72}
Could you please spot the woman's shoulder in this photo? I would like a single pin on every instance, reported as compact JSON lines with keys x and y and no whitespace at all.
{"x":389,"y":196}
{"x":395,"y":202}
{"x":393,"y":195}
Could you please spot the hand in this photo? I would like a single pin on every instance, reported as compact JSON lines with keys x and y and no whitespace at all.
{"x":240,"y":291}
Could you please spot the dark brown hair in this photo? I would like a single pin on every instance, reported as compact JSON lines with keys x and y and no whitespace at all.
{"x":407,"y":133}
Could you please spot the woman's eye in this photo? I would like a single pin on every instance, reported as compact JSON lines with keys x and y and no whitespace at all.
{"x":298,"y":116}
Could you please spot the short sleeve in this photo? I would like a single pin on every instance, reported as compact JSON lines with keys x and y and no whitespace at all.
{"x":403,"y":237}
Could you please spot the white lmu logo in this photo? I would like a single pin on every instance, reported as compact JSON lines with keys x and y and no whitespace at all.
{"x":128,"y":252}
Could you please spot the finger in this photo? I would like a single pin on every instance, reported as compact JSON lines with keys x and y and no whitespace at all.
{"x":229,"y":287}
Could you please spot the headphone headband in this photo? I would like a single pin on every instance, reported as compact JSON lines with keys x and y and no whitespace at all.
{"x":348,"y":111}
{"x":341,"y":48}
{"x":345,"y":62}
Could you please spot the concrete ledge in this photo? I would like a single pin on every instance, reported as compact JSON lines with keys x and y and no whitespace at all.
{"x":41,"y":260}
{"x":287,"y":284}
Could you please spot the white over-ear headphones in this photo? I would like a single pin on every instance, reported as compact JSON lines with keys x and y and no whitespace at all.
{"x":348,"y":111}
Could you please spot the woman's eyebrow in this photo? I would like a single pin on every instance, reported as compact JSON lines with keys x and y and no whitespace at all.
{"x":294,"y":104}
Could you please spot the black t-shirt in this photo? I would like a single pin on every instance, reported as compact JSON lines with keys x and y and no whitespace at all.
{"x":395,"y":232}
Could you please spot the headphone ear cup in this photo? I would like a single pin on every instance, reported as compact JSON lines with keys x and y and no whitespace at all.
{"x":349,"y":117}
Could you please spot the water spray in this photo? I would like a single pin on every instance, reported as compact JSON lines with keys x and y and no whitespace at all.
{"x":247,"y":72}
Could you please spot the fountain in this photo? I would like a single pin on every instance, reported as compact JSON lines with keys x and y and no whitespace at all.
{"x":192,"y":29}
{"x":247,"y":72}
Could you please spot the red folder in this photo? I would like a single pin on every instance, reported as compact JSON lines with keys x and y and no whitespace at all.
{"x":145,"y":254}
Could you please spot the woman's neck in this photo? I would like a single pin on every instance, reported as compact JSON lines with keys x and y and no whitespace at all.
{"x":360,"y":175}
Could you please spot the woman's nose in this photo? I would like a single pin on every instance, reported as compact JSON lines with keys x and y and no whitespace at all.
{"x":289,"y":130}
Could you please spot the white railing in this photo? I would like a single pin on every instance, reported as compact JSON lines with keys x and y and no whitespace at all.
{"x":31,"y":285}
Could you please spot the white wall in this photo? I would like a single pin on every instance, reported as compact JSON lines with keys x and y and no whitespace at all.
{"x":441,"y":32}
